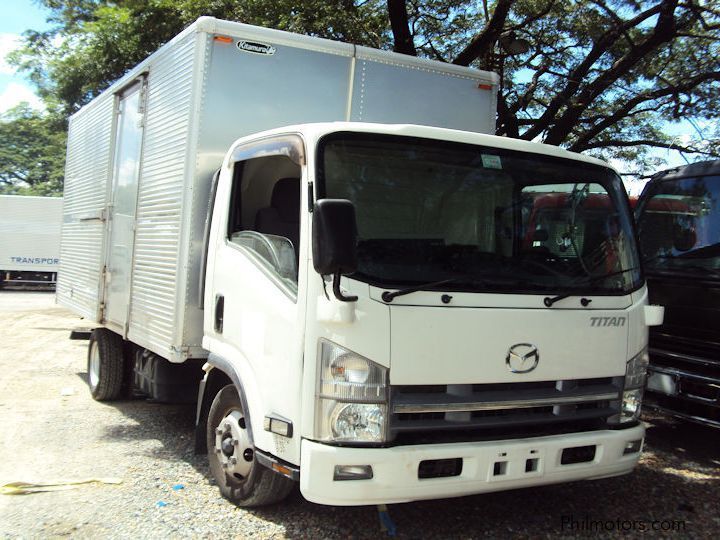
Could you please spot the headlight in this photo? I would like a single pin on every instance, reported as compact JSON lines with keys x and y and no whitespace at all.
{"x":631,"y":404}
{"x":635,"y":375}
{"x":351,"y":404}
{"x":636,"y":370}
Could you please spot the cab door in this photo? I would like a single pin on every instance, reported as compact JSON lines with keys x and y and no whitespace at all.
{"x":253,"y":315}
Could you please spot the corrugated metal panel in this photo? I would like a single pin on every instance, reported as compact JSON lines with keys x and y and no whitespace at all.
{"x":306,"y":79}
{"x":86,"y":174}
{"x":163,"y":180}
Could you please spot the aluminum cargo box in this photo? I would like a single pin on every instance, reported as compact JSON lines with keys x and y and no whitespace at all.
{"x":142,"y":154}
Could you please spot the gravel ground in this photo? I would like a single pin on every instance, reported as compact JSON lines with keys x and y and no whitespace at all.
{"x":51,"y":429}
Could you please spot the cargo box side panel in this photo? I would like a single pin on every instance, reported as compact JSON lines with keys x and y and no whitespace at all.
{"x":154,"y":312}
{"x":30,"y":233}
{"x":87,"y":170}
{"x":391,"y":92}
{"x":248,"y":92}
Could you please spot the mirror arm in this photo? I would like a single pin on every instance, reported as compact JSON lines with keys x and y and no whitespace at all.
{"x":338,"y":293}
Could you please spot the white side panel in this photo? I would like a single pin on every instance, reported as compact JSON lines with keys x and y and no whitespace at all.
{"x":164,"y":178}
{"x":30,"y":233}
{"x":86,"y":175}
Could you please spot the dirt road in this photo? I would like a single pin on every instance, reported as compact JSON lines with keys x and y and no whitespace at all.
{"x":51,"y":429}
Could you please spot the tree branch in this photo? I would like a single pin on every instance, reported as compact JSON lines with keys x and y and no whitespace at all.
{"x":486,"y":39}
{"x":401,"y":28}
{"x":664,"y":31}
{"x":650,"y":142}
{"x":507,"y":123}
{"x":578,"y":74}
{"x":582,"y":142}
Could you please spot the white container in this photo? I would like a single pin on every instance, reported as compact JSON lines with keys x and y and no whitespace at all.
{"x":141,"y":157}
{"x":30,"y":233}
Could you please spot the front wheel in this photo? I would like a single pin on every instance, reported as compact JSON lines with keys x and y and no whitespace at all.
{"x":231,"y":454}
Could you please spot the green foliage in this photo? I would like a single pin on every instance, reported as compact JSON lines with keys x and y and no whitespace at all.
{"x":600,"y":76}
{"x":32,"y":152}
{"x":95,"y":42}
{"x":609,"y":77}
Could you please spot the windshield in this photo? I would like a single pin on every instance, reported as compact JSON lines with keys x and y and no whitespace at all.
{"x":480,"y":218}
{"x":679,"y":226}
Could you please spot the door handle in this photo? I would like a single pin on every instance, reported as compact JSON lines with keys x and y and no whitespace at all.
{"x":219,"y":312}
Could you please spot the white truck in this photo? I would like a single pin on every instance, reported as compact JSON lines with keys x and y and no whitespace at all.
{"x":29,"y":240}
{"x":383,"y":312}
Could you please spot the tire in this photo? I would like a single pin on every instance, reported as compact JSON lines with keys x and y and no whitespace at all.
{"x":130,"y":352}
{"x":245,"y":482}
{"x":105,"y":365}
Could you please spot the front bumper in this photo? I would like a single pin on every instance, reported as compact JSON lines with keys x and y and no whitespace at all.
{"x":684,"y":394}
{"x":395,"y":470}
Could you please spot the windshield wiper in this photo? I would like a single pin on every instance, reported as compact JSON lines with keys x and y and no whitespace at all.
{"x":388,"y":296}
{"x":549,"y":301}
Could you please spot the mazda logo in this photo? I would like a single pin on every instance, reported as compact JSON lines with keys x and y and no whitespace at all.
{"x":522,"y":358}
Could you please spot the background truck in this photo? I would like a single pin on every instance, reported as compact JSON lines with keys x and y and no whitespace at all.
{"x":29,"y":240}
{"x":370,"y":308}
{"x":678,"y":217}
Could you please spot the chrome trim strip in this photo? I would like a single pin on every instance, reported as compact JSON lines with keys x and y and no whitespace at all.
{"x":683,"y":357}
{"x":501,"y":405}
{"x":682,"y":373}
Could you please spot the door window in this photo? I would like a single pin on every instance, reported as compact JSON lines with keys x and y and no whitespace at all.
{"x":264,"y":215}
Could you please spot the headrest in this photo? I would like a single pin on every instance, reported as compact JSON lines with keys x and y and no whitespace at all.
{"x":286,"y":199}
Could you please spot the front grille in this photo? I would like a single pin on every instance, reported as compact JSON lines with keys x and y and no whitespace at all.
{"x":440,"y":413}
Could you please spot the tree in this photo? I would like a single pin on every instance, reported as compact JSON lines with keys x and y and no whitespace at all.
{"x":94,"y":42}
{"x":32,"y":152}
{"x":603,"y":76}
{"x":599,"y":76}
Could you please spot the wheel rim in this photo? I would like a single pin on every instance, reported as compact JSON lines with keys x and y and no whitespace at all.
{"x":94,"y":365}
{"x":232,"y":446}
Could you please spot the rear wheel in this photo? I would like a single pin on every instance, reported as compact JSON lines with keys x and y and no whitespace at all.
{"x":231,"y":454}
{"x":106,"y":365}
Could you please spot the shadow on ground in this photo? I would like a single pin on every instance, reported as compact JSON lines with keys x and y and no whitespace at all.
{"x":695,"y":443}
{"x":655,"y":492}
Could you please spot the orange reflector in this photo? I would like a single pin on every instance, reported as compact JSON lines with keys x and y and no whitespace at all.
{"x":282,"y":470}
{"x":224,"y":39}
{"x":480,"y":86}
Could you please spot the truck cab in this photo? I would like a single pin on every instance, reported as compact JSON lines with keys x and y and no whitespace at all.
{"x":679,"y":227}
{"x":397,"y":312}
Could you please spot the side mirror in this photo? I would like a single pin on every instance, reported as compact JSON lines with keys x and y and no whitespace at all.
{"x":334,"y":241}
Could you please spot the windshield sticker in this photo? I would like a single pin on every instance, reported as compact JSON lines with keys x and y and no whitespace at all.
{"x":491,"y":162}
{"x":257,"y":48}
